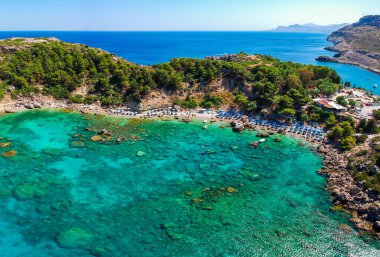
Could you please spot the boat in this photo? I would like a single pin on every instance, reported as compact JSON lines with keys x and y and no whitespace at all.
{"x":375,"y":86}
{"x":262,"y":140}
{"x":205,"y":127}
{"x":205,"y":121}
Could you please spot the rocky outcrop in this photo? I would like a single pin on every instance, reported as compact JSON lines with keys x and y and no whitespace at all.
{"x":364,"y":204}
{"x":357,"y":44}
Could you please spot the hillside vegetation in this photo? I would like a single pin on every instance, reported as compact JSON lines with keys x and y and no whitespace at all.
{"x":58,"y":69}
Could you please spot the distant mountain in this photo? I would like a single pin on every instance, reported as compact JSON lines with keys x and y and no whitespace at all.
{"x":310,"y":27}
{"x":357,"y":44}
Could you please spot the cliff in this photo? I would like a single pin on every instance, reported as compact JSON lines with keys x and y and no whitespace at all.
{"x":357,"y":44}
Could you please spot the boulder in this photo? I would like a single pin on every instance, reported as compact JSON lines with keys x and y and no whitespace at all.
{"x":376,"y":226}
{"x":254,"y":144}
{"x":238,"y":127}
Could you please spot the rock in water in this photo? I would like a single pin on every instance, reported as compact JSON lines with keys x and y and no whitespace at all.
{"x":238,"y":127}
{"x":10,"y":154}
{"x":140,"y":154}
{"x":96,"y":138}
{"x":74,"y":238}
{"x":5,"y":145}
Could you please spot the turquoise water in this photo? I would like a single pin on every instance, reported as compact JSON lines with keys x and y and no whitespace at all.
{"x":156,"y":47}
{"x":194,"y":193}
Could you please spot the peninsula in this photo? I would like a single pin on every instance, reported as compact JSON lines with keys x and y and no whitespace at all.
{"x":357,"y":44}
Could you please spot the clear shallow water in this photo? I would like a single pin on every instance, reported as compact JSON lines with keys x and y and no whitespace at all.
{"x":195,"y":192}
{"x":156,"y":47}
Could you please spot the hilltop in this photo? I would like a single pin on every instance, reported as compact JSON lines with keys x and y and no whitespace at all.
{"x":310,"y":27}
{"x":357,"y":44}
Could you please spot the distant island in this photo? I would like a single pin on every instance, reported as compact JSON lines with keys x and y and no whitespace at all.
{"x":357,"y":44}
{"x":310,"y":27}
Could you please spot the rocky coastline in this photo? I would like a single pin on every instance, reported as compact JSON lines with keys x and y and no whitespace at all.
{"x":364,"y":60}
{"x":357,"y":44}
{"x":347,"y":195}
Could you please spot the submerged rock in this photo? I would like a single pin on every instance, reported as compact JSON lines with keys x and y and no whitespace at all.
{"x":254,"y":144}
{"x":29,"y":191}
{"x":77,"y":144}
{"x":230,"y":190}
{"x":5,"y":145}
{"x":74,"y":238}
{"x":140,"y":154}
{"x":10,"y":154}
{"x":96,"y":138}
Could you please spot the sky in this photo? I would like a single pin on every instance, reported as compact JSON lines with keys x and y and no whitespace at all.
{"x":177,"y":15}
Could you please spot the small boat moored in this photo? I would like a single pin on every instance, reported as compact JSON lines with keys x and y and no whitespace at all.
{"x":262,"y":140}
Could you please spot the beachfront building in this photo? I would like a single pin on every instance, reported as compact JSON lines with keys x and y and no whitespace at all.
{"x":329,"y":105}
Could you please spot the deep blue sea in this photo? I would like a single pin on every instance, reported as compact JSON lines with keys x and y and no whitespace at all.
{"x":156,"y":47}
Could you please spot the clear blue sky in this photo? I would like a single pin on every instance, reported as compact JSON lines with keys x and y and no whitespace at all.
{"x":177,"y":14}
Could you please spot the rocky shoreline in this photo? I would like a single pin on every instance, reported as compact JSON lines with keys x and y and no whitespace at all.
{"x":362,"y":60}
{"x":348,"y":196}
{"x":357,"y":44}
{"x":363,"y":204}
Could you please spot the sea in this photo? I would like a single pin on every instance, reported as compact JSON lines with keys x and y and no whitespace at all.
{"x":149,"y":48}
{"x":169,"y":188}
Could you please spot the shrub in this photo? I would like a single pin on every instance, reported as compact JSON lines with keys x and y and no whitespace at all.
{"x":348,"y":143}
{"x":362,"y":153}
{"x":89,"y":99}
{"x":361,"y":139}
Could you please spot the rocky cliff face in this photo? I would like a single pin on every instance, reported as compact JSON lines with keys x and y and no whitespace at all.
{"x":357,"y":44}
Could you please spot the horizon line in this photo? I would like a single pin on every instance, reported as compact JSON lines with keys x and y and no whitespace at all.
{"x":158,"y":31}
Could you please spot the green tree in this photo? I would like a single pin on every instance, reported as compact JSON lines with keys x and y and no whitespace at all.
{"x":347,"y":129}
{"x":352,"y":103}
{"x":288,"y":111}
{"x":304,"y":117}
{"x":371,"y":127}
{"x":376,"y":114}
{"x":348,"y":143}
{"x":336,"y":133}
{"x":361,"y":126}
{"x":331,"y":121}
{"x":341,"y":100}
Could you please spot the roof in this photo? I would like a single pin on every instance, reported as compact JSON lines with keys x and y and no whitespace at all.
{"x":324,"y":103}
{"x":337,"y":106}
{"x":329,"y":105}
